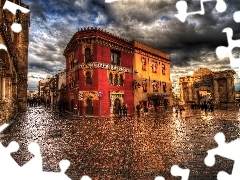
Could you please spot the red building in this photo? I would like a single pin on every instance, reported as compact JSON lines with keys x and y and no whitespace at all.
{"x":99,"y":73}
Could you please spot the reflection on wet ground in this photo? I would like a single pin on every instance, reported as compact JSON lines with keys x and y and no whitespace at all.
{"x":125,"y":148}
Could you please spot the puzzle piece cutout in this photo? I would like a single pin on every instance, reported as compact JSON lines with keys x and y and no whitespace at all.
{"x":236,"y":16}
{"x":5,"y":125}
{"x":223,"y":51}
{"x":182,"y":9}
{"x":32,"y":169}
{"x":2,"y":46}
{"x":177,"y":171}
{"x":12,"y":7}
{"x":227,"y":150}
{"x":86,"y":178}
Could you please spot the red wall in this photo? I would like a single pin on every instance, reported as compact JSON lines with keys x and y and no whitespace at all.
{"x":102,"y":53}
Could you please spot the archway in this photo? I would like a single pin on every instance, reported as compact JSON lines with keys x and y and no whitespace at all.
{"x":204,"y":95}
{"x":117,"y":105}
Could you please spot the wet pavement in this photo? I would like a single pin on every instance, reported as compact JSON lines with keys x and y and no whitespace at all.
{"x":129,"y":148}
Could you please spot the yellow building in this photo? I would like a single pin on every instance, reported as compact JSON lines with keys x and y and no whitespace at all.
{"x":151,"y":77}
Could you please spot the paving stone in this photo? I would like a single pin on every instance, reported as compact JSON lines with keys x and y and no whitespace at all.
{"x":124,"y":148}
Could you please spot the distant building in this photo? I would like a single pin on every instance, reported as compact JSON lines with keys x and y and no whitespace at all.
{"x":13,"y":63}
{"x":151,"y":76}
{"x":62,"y":86}
{"x":206,"y":85}
{"x":32,"y":93}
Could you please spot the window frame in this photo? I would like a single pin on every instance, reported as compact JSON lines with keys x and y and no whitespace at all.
{"x":88,"y":55}
{"x":115,"y":53}
{"x":88,"y":78}
{"x":144,"y":64}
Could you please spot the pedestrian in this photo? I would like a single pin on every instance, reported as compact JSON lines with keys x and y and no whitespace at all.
{"x":176,"y":111}
{"x":138,"y":107}
{"x":114,"y":110}
{"x":125,"y":108}
{"x":211,"y":107}
{"x":120,"y":112}
{"x":181,"y":109}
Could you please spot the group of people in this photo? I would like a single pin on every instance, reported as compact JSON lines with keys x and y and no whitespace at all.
{"x":204,"y":106}
{"x":33,"y":102}
{"x":121,"y":111}
{"x":178,"y":109}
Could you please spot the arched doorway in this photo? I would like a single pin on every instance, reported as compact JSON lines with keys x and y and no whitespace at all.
{"x":89,"y":107}
{"x":117,"y":105}
{"x":204,"y":96}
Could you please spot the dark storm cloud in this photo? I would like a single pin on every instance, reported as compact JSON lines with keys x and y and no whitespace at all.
{"x":152,"y":22}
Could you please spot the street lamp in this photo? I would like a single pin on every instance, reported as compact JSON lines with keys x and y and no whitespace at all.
{"x":100,"y":95}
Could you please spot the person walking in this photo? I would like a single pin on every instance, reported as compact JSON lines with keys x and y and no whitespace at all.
{"x":138,"y":107}
{"x":120,"y":110}
{"x":125,"y":108}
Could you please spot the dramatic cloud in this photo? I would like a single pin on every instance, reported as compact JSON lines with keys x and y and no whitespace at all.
{"x":191,"y":44}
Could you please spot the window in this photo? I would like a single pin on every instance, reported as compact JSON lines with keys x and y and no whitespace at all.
{"x":88,"y":78}
{"x":110,"y":79}
{"x":144,"y":64}
{"x":163,"y":69}
{"x":116,"y":80}
{"x":71,"y":60}
{"x":154,"y":67}
{"x":88,"y":56}
{"x":164,"y":87}
{"x":72,"y":82}
{"x":155,"y":86}
{"x":115,"y":58}
{"x":144,"y":85}
{"x":121,"y":80}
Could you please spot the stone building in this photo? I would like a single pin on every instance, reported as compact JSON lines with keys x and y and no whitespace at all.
{"x":99,"y":73}
{"x":207,"y":85}
{"x":13,"y":62}
{"x":152,"y":85}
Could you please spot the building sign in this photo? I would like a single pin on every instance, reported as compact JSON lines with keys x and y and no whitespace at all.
{"x":100,"y":94}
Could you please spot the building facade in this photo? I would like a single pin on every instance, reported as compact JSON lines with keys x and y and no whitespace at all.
{"x":206,"y":85}
{"x":105,"y":71}
{"x":99,"y":73}
{"x":13,"y":62}
{"x":151,"y":77}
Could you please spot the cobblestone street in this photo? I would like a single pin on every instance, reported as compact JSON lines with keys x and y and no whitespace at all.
{"x":125,"y":148}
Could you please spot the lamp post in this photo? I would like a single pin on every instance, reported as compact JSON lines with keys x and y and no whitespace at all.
{"x":100,"y":94}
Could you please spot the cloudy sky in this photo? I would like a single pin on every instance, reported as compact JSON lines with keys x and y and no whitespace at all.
{"x":191,"y":44}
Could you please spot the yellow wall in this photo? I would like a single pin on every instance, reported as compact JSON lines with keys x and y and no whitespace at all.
{"x":151,"y":55}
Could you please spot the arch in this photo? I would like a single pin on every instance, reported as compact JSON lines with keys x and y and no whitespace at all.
{"x":199,"y":95}
{"x":202,"y":72}
{"x":117,"y":106}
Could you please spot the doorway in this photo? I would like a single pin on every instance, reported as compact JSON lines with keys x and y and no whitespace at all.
{"x":89,"y":107}
{"x":117,"y":105}
{"x":204,"y":96}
